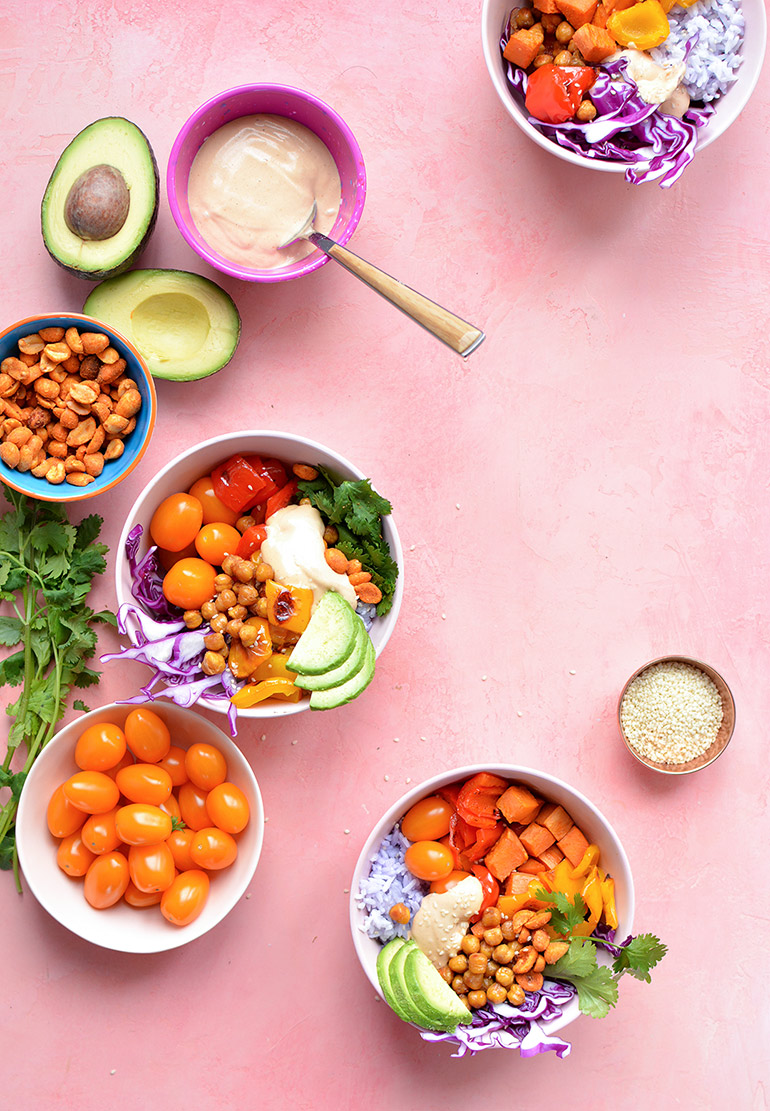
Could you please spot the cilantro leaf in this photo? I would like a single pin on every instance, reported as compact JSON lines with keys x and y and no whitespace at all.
{"x":597,"y":992}
{"x":88,"y":530}
{"x":11,"y":631}
{"x":638,"y":955}
{"x":566,"y":913}
{"x":79,"y":704}
{"x":578,"y":961}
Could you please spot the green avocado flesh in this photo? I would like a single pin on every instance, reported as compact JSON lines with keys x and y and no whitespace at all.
{"x":184,"y":326}
{"x":415,"y":990}
{"x":112,"y":143}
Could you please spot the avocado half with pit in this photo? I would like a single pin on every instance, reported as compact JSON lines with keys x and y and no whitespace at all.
{"x":101,"y":203}
{"x":183,"y":325}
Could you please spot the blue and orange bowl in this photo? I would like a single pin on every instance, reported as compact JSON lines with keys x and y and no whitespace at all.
{"x":135,"y":443}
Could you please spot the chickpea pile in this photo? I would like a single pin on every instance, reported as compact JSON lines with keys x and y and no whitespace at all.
{"x":501,"y":959}
{"x":555,"y":48}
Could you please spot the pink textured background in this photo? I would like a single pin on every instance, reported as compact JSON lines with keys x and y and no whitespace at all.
{"x":588,"y":491}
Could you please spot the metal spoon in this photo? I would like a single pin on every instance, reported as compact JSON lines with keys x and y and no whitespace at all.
{"x":452,"y":330}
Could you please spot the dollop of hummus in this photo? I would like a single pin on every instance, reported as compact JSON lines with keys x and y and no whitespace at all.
{"x":442,"y":921}
{"x":295,"y":550}
{"x":655,"y":83}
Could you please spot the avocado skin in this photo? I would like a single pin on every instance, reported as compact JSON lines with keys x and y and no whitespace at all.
{"x":127,"y":263}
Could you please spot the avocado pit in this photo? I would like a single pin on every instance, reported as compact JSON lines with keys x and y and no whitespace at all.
{"x":97,"y":204}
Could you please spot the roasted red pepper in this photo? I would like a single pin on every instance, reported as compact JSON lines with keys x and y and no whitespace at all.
{"x":485,"y":839}
{"x":281,"y":499}
{"x":272,"y":473}
{"x":554,"y":93}
{"x":251,"y":541}
{"x":477,"y":801}
{"x":489,"y":886}
{"x":236,"y":483}
{"x":450,"y":792}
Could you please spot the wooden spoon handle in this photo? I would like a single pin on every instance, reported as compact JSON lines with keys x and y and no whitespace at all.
{"x":455,"y":332}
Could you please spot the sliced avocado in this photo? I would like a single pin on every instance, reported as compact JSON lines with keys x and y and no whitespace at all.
{"x":347,"y":669}
{"x":384,"y":958}
{"x":435,"y":996}
{"x":329,"y":638}
{"x":185,"y":326}
{"x":351,"y":688}
{"x":412,"y":1004}
{"x":101,"y":202}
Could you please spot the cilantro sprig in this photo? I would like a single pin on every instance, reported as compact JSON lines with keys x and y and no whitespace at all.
{"x":597,"y":985}
{"x":47,"y":567}
{"x":356,"y":509}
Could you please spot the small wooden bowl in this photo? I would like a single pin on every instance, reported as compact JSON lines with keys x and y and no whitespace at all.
{"x":725,"y":730}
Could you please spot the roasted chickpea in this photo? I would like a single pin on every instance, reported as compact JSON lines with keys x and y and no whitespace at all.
{"x":218,"y":623}
{"x":229,"y":563}
{"x":550,"y":21}
{"x":208,"y":609}
{"x":331,"y":536}
{"x":504,"y":976}
{"x":459,"y":986}
{"x":222,"y":582}
{"x":400,"y":912}
{"x":470,"y":944}
{"x":249,"y":634}
{"x":563,"y":58}
{"x":234,"y":627}
{"x":494,"y":936}
{"x":477,"y":999}
{"x":542,"y":60}
{"x":496,"y":993}
{"x":243,"y":571}
{"x":192,"y":619}
{"x":586,"y":111}
{"x":508,"y":930}
{"x":525,"y":18}
{"x":485,"y":949}
{"x":225,"y":600}
{"x":213,"y":663}
{"x":459,"y":963}
{"x":261,"y":607}
{"x":516,"y":995}
{"x":215,"y":642}
{"x":245,"y":522}
{"x":564,"y":32}
{"x":477,"y":963}
{"x":473,"y":980}
{"x":246,"y":594}
{"x":263,"y":572}
{"x":446,"y":974}
{"x":491,"y":917}
{"x":503,"y":954}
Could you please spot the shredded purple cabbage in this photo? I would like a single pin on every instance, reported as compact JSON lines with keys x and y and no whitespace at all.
{"x":507,"y":1027}
{"x":626,"y":129}
{"x":146,"y":578}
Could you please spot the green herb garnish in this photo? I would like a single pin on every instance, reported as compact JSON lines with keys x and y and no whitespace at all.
{"x":47,"y":568}
{"x":355,"y":509}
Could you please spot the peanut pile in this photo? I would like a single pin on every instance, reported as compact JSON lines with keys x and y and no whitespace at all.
{"x":501,"y":959}
{"x":67,"y":405}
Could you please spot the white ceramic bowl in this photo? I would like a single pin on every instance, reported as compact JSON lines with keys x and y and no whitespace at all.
{"x":124,"y":928}
{"x":592,"y":822}
{"x":494,"y":17}
{"x":183,"y":471}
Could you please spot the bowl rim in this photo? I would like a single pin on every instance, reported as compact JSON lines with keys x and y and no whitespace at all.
{"x":604,"y":165}
{"x":509,"y":771}
{"x":275,"y":710}
{"x":213,"y":258}
{"x":184,"y":935}
{"x":84,"y":493}
{"x":711,"y":672}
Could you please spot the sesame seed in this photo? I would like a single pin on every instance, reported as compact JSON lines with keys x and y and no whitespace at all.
{"x":572,"y":671}
{"x":483,"y":678}
{"x":457,"y":505}
{"x":386,"y":778}
{"x":671,"y":713}
{"x":346,"y":831}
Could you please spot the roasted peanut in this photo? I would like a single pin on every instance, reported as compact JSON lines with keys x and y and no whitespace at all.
{"x":14,"y":367}
{"x":76,"y":407}
{"x":52,"y":334}
{"x":301,"y":470}
{"x":530,"y":981}
{"x":9,"y":453}
{"x":31,"y":345}
{"x":57,"y":449}
{"x":83,"y":433}
{"x":79,"y":479}
{"x":539,"y":919}
{"x":114,"y":450}
{"x":68,"y":420}
{"x":85,"y":393}
{"x":8,"y":385}
{"x":94,"y":463}
{"x":39,"y":417}
{"x":94,"y":342}
{"x":115,"y":424}
{"x":525,"y":961}
{"x":109,"y":373}
{"x":57,"y":352}
{"x":44,"y":387}
{"x":73,"y":341}
{"x":101,"y":410}
{"x":359,"y":578}
{"x":19,"y":436}
{"x":555,"y":951}
{"x":129,"y":404}
{"x":109,"y":355}
{"x":89,"y":368}
{"x":41,"y":470}
{"x":95,"y":443}
{"x":72,"y":464}
{"x":337,"y":560}
{"x":368,"y":593}
{"x":540,"y":941}
{"x":124,"y":385}
{"x":55,"y":473}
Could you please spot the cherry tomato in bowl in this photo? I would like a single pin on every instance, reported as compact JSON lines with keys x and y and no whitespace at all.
{"x":213,"y":508}
{"x":427,"y":820}
{"x":429,"y":860}
{"x":189,"y":583}
{"x":176,"y":522}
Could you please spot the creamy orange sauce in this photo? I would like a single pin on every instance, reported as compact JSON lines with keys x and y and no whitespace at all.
{"x":253,"y":183}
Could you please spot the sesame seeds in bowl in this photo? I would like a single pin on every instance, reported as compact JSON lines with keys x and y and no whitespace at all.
{"x":676,"y":714}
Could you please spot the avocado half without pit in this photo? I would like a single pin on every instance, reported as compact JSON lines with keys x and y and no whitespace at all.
{"x":183,"y":325}
{"x":101,"y":203}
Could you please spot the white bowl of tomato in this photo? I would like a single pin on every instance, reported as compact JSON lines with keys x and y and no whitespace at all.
{"x":102,"y":904}
{"x":512,"y":828}
{"x":214,"y":498}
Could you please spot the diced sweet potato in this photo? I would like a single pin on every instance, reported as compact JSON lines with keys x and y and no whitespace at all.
{"x":536,"y":839}
{"x":550,"y":858}
{"x":547,"y":7}
{"x":505,"y":855}
{"x":523,"y":45}
{"x":518,"y":805}
{"x":573,"y":846}
{"x":578,"y":12}
{"x":619,"y":5}
{"x":532,"y":867}
{"x":594,"y":43}
{"x":601,"y":15}
{"x":556,"y":819}
{"x":517,"y":883}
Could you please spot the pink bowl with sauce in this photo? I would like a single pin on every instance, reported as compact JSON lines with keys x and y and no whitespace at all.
{"x":277,"y":100}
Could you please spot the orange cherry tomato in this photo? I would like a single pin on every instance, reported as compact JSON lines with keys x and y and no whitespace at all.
{"x":144,"y":783}
{"x":213,"y":849}
{"x":192,"y":804}
{"x":214,"y":510}
{"x":438,"y":887}
{"x":147,"y":735}
{"x":217,"y":540}
{"x":125,"y":762}
{"x":100,"y":747}
{"x":184,"y":900}
{"x":171,"y":807}
{"x":173,"y":762}
{"x":179,"y":841}
{"x":100,"y":833}
{"x":427,"y":820}
{"x":92,"y":792}
{"x":151,"y":867}
{"x":228,"y":808}
{"x":205,"y":765}
{"x":176,"y":521}
{"x":189,"y":583}
{"x":429,"y":860}
{"x":106,"y":880}
{"x":63,"y":817}
{"x":136,"y":898}
{"x":140,"y":824}
{"x":72,"y":856}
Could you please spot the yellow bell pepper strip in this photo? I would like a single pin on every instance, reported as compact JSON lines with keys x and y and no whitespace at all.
{"x":253,"y":693}
{"x":275,"y":667}
{"x":608,"y":900}
{"x":288,"y":607}
{"x":243,"y":660}
{"x":643,"y":26}
{"x":592,"y":896}
{"x":590,"y":858}
{"x":563,"y":880}
{"x":509,"y":904}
